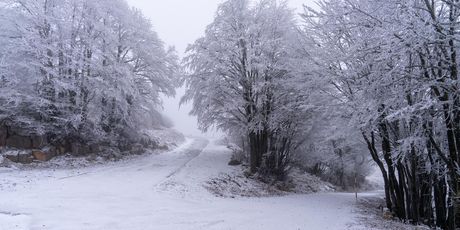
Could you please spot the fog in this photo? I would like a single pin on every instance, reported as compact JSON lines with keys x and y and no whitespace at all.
{"x":179,"y":23}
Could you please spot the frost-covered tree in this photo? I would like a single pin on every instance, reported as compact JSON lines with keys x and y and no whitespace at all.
{"x":394,"y":63}
{"x":241,"y":80}
{"x":88,"y":70}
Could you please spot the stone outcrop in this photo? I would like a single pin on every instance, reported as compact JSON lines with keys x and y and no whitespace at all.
{"x":43,"y":155}
{"x":3,"y":135}
{"x":29,"y":156}
{"x":15,"y":138}
{"x":26,"y":146}
{"x":39,"y":141}
{"x":78,"y":149}
{"x":23,"y":157}
{"x":19,"y":142}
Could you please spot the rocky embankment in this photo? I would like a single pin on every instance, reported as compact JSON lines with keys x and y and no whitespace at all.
{"x":19,"y":146}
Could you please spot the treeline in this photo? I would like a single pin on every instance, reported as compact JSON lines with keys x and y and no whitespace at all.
{"x":81,"y":70}
{"x":251,"y":76}
{"x":382,"y":75}
{"x":395,"y":65}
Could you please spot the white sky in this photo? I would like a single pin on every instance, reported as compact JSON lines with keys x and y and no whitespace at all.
{"x":179,"y":23}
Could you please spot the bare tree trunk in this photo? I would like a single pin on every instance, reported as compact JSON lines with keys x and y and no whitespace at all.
{"x":374,"y":153}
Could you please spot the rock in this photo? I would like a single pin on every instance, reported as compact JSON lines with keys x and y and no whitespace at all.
{"x":39,"y":155}
{"x":62,"y":147}
{"x":20,"y":157}
{"x":6,"y":163}
{"x":60,"y":150}
{"x":3,"y":135}
{"x":39,"y":142}
{"x":95,"y":148}
{"x":42,"y":155}
{"x":25,"y":158}
{"x":78,"y":149}
{"x":19,"y":142}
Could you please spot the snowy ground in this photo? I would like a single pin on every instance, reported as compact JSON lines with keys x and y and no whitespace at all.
{"x":161,"y":191}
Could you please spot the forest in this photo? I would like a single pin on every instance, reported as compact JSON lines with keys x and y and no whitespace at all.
{"x":338,"y":90}
{"x":86,"y":72}
{"x":385,"y":72}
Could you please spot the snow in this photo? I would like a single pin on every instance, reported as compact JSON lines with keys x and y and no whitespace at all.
{"x":14,"y":221}
{"x":237,"y":184}
{"x":159,"y":191}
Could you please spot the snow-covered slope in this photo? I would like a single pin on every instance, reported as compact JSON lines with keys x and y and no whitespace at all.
{"x":163,"y":191}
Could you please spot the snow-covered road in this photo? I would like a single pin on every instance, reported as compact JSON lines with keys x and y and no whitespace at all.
{"x":158,"y":192}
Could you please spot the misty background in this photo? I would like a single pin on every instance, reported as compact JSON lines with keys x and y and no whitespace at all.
{"x":179,"y":23}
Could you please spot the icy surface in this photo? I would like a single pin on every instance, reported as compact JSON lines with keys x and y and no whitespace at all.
{"x":162,"y":191}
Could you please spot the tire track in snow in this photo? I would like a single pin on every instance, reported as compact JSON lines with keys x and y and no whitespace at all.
{"x":193,"y":153}
{"x":138,"y":164}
